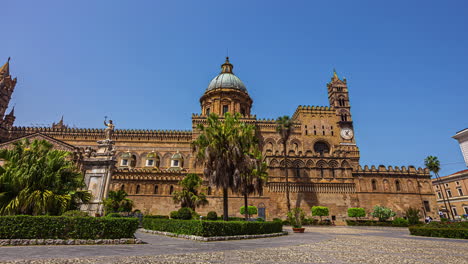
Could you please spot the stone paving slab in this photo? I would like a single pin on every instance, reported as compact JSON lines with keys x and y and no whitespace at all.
{"x":317,"y":245}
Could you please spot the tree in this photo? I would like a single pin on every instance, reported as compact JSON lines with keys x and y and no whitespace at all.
{"x":217,"y":147}
{"x":285,"y":127}
{"x":433,"y":164}
{"x":37,"y":179}
{"x":383,"y":213}
{"x":117,"y":202}
{"x":251,"y":210}
{"x":356,"y":212}
{"x":189,"y":195}
{"x":320,"y":211}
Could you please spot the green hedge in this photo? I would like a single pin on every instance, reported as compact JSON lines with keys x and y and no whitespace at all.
{"x":157,"y":216}
{"x":59,"y":227}
{"x":212,"y":228}
{"x":439,"y":232}
{"x":374,"y":223}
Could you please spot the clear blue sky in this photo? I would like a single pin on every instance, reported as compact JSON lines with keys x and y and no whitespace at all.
{"x":146,"y":63}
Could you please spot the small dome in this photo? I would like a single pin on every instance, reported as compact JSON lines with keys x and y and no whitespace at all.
{"x":226,"y":79}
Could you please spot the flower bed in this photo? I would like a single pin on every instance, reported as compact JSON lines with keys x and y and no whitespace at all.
{"x":438,"y":229}
{"x":211,"y":228}
{"x":59,"y":227}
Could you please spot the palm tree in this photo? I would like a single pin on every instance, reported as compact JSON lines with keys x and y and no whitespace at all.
{"x":117,"y":202}
{"x":189,"y":195}
{"x":36,"y":179}
{"x":253,"y":180}
{"x":284,"y":127}
{"x":433,"y":164}
{"x":218,"y":149}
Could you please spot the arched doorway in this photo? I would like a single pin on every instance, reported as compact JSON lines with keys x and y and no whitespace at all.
{"x":262,"y":211}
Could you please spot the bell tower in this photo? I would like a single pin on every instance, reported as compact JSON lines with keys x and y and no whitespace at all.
{"x":339,"y":98}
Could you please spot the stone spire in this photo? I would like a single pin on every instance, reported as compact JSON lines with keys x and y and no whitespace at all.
{"x":5,"y":69}
{"x":227,"y":66}
{"x":10,"y":118}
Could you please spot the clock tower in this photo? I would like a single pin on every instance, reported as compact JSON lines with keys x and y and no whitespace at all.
{"x":338,"y":97}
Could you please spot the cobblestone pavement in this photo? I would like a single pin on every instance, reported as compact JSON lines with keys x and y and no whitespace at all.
{"x":317,"y":245}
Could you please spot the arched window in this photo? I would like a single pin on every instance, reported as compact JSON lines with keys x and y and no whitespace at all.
{"x":155,"y":191}
{"x":344,"y":117}
{"x":171,"y":189}
{"x":374,"y":185}
{"x":208,"y":111}
{"x":137,"y":191}
{"x":133,"y":162}
{"x":321,"y":148}
{"x":122,"y":188}
{"x":397,"y":184}
{"x":297,"y":171}
{"x":209,"y":190}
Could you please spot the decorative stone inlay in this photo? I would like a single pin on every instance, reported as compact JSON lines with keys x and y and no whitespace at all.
{"x":30,"y":242}
{"x":217,"y":238}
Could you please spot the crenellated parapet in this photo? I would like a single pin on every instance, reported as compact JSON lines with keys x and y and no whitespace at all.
{"x":146,"y":174}
{"x":98,"y":133}
{"x":316,"y":110}
{"x":390,"y":170}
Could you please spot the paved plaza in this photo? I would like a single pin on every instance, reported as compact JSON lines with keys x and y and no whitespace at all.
{"x":317,"y":245}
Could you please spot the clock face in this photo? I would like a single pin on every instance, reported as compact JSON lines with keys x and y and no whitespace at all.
{"x":347,"y":133}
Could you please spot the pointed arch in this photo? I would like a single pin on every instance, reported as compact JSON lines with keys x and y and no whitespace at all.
{"x":310,"y":164}
{"x":345,"y":164}
{"x":274,"y":163}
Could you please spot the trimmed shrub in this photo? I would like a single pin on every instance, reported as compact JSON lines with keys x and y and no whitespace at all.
{"x":232,"y":218}
{"x":75,"y":213}
{"x":439,"y":232}
{"x":185,"y":213}
{"x":356,"y":212}
{"x":382,"y":213}
{"x":259,"y":219}
{"x":212,"y":216}
{"x":62,"y":227}
{"x":320,"y":211}
{"x":370,"y":223}
{"x":174,"y":215}
{"x":157,"y":216}
{"x":399,"y":221}
{"x":113,"y":215}
{"x":250,"y":211}
{"x":212,"y":228}
{"x":277,"y":220}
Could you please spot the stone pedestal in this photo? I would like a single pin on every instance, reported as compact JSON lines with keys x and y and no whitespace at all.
{"x":98,"y":167}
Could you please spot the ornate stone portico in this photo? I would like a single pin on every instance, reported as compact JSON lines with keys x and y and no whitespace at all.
{"x":323,"y":157}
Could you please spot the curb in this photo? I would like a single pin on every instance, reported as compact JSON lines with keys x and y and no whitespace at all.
{"x":207,"y":239}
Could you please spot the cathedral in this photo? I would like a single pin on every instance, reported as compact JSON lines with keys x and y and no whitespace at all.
{"x":323,"y":157}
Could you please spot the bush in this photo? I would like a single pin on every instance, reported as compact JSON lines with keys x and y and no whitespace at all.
{"x":212,"y":228}
{"x":232,"y":218}
{"x":259,"y":219}
{"x":296,"y":217}
{"x":157,"y":216}
{"x":277,"y":220}
{"x":212,"y":216}
{"x":370,"y":223}
{"x":413,"y":215}
{"x":399,"y":221}
{"x":310,"y":221}
{"x":356,"y":212}
{"x":114,"y":215}
{"x":174,"y":215}
{"x":75,"y":213}
{"x":60,"y":227}
{"x":250,"y":211}
{"x":439,"y":232}
{"x":185,"y":213}
{"x":320,"y":211}
{"x":382,"y":213}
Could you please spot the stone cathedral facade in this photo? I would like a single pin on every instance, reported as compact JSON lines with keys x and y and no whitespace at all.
{"x":323,"y":157}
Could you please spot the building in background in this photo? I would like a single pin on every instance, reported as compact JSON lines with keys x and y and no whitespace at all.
{"x":453,"y":188}
{"x":462,"y":138}
{"x":456,"y":192}
{"x":323,"y":157}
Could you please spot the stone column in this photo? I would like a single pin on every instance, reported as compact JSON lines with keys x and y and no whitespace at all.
{"x":98,"y":167}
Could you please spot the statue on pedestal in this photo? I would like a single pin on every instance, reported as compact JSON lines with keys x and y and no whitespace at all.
{"x":109,"y":131}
